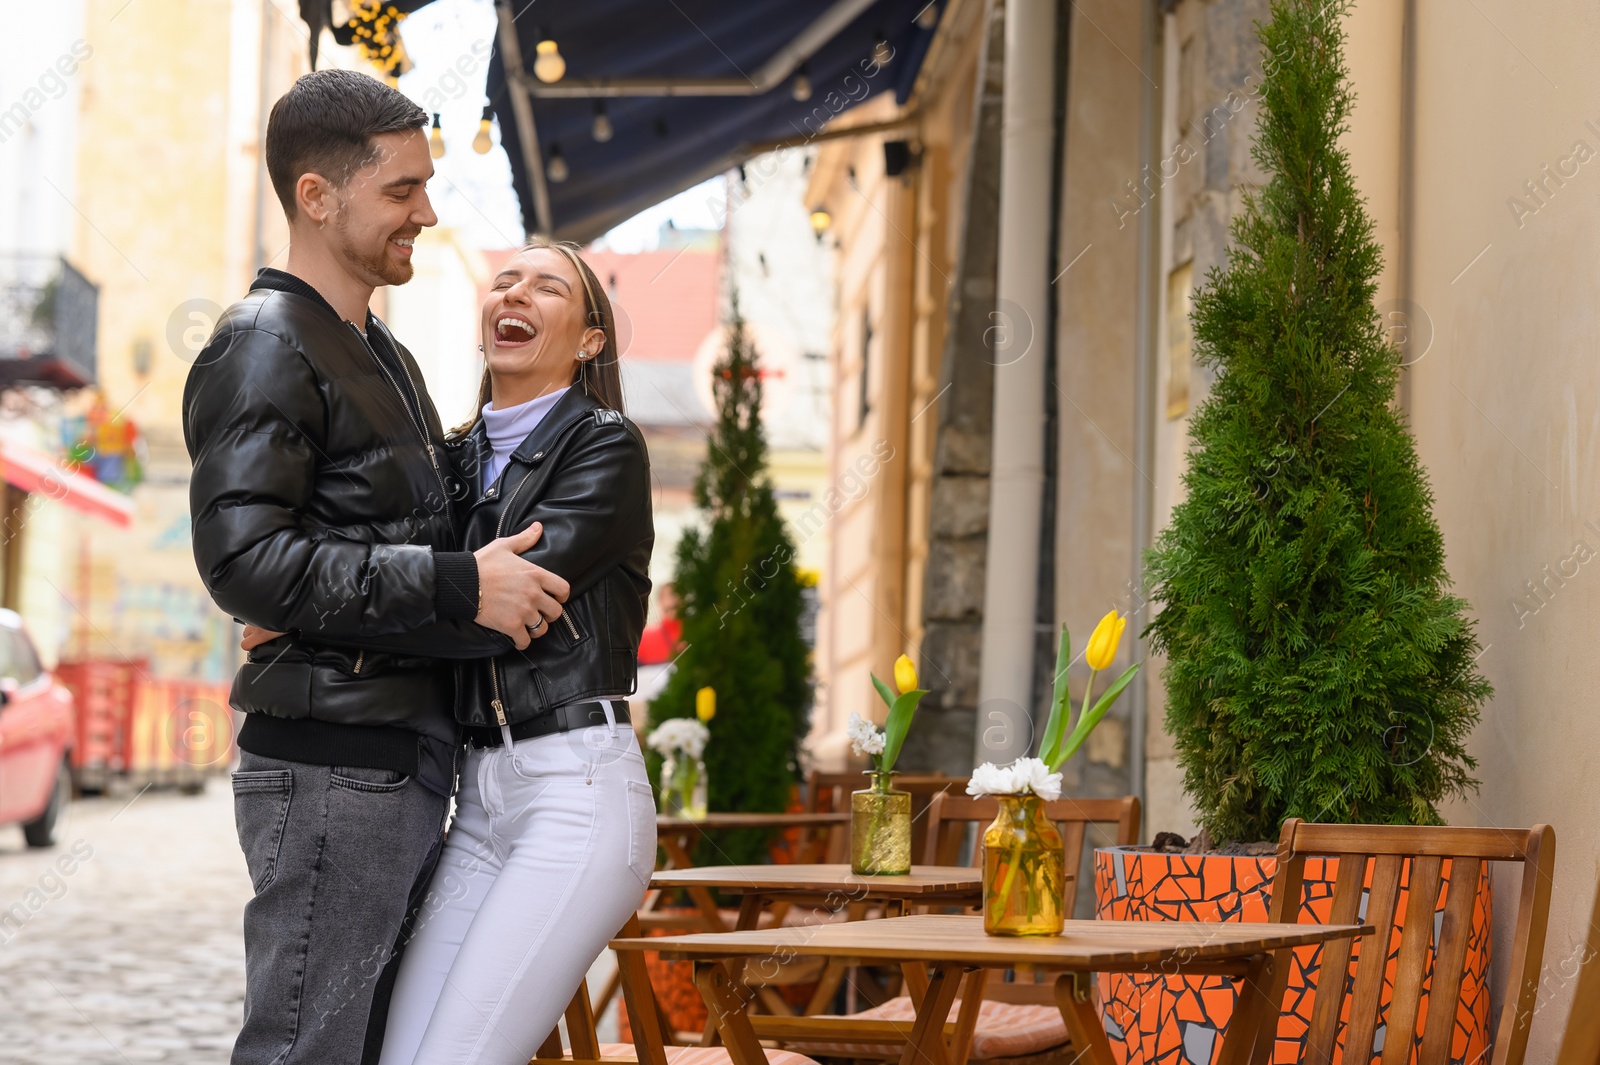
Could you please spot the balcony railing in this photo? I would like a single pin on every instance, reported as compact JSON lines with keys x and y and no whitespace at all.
{"x":48,"y":316}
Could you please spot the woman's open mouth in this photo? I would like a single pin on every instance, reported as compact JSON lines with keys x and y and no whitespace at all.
{"x":512,"y":330}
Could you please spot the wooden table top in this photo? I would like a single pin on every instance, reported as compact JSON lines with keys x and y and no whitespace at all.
{"x":960,"y":939}
{"x":755,"y":820}
{"x":814,"y":879}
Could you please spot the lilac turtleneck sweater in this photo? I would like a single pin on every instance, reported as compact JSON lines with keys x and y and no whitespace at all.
{"x":508,"y":428}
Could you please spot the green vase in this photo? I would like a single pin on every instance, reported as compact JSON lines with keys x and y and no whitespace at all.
{"x":683,"y":787}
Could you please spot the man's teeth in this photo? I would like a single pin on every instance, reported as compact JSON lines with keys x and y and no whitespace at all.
{"x":404,"y":242}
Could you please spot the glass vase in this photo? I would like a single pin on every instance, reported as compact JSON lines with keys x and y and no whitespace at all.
{"x":880,"y":829}
{"x":683,"y":787}
{"x":1023,"y":870}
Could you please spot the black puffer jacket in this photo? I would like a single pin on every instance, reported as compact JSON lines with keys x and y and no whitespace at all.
{"x":585,"y":474}
{"x":322,"y":506}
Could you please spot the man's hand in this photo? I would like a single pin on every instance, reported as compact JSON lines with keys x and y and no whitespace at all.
{"x":517,"y":597}
{"x":254,"y":637}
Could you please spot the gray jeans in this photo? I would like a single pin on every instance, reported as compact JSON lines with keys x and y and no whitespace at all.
{"x":338,"y":857}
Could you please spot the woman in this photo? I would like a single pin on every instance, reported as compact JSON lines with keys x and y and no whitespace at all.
{"x":554,"y":837}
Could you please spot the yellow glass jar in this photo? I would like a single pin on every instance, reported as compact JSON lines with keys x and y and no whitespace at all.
{"x":880,"y":829}
{"x":1024,"y":879}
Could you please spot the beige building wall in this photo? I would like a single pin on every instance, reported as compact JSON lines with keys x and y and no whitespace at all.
{"x":1506,"y":407}
{"x":897,"y":240}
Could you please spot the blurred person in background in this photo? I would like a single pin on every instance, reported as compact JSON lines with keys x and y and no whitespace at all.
{"x":324,"y":512}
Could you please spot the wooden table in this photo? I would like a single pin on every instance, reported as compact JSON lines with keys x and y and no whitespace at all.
{"x":829,"y":887}
{"x":678,"y":835}
{"x":957,"y":945}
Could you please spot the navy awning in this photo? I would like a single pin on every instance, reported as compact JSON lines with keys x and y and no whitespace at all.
{"x":665,"y":143}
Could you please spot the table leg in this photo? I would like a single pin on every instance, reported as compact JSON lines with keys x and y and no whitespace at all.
{"x":1255,"y":1017}
{"x":916,"y":979}
{"x":1075,"y":999}
{"x":750,"y":908}
{"x":726,"y":1006}
{"x":926,"y":1045}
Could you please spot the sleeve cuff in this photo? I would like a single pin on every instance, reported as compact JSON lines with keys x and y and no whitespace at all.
{"x":455,"y":585}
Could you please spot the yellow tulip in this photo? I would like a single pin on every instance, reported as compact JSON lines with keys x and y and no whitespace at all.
{"x":1103,"y":643}
{"x":705,"y":704}
{"x":905,"y":675}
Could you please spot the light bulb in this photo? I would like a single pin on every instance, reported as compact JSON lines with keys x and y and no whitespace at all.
{"x":602,"y":124}
{"x":436,"y":139}
{"x":549,"y":67}
{"x":802,"y":86}
{"x":556,"y":167}
{"x":483,"y":141}
{"x":881,"y":52}
{"x":928,"y":16}
{"x":820,"y":219}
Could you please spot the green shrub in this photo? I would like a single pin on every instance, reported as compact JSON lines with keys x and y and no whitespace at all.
{"x":741,"y":603}
{"x":1316,"y":665}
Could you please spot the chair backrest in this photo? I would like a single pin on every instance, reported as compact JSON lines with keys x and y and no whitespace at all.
{"x":949,"y":816}
{"x":1580,"y":1045}
{"x":831,"y":791}
{"x":1388,"y":848}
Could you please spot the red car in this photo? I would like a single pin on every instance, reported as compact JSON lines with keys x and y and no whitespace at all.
{"x":36,"y":733}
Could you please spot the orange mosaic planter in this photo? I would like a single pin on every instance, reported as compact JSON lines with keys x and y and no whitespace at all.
{"x":1172,"y":1020}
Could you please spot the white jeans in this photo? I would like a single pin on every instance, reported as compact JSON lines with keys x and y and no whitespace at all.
{"x":552,"y":847}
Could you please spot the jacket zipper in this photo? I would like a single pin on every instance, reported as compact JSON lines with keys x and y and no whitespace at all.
{"x":494,"y":667}
{"x":411,"y":414}
{"x":360,"y":658}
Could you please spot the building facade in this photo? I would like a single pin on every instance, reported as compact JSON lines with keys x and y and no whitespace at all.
{"x":1488,"y":291}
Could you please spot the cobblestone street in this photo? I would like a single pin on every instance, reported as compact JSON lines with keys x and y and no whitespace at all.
{"x":133,"y":950}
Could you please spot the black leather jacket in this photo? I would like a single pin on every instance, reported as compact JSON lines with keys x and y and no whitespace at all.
{"x":322,"y":507}
{"x":585,"y":474}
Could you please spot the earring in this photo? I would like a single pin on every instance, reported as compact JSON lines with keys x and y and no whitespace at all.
{"x":480,"y":347}
{"x":582,"y":354}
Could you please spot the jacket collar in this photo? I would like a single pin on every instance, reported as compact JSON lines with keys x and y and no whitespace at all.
{"x":575,"y":405}
{"x":282,"y":281}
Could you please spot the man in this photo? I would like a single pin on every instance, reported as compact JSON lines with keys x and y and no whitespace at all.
{"x":321,"y":502}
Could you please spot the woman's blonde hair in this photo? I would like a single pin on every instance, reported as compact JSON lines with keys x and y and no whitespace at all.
{"x":601,"y":375}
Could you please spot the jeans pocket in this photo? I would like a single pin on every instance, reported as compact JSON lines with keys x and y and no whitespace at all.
{"x":260,"y":810}
{"x":641,"y":830}
{"x":363,"y":778}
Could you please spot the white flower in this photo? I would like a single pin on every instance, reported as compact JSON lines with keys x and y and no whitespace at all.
{"x":865,"y":737}
{"x":679,"y":735}
{"x":1025,"y":776}
{"x":991,"y":779}
{"x":1036,"y":777}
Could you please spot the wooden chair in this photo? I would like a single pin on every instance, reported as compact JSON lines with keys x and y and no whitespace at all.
{"x":991,"y":1019}
{"x":1388,"y":847}
{"x":831,"y":791}
{"x":655,"y":1043}
{"x":1580,"y":1045}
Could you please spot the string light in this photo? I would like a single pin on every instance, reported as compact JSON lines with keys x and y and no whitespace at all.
{"x":602,"y":123}
{"x":928,"y":16}
{"x":881,"y":52}
{"x":802,"y":84}
{"x":820,"y":220}
{"x":436,"y":139}
{"x":555,"y":168}
{"x":483,"y":141}
{"x":549,"y":67}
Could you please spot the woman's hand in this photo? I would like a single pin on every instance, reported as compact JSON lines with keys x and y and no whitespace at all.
{"x":255,"y":637}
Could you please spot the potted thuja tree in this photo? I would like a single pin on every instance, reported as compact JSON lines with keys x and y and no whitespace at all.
{"x":1316,"y":665}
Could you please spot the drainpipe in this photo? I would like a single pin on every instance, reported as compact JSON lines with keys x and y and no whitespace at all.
{"x":1146,"y":361}
{"x":1016,"y":476}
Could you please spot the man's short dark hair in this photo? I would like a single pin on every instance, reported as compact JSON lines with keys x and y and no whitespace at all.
{"x":325,"y":125}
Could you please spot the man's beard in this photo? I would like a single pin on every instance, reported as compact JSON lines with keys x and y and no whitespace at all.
{"x":376,"y":266}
